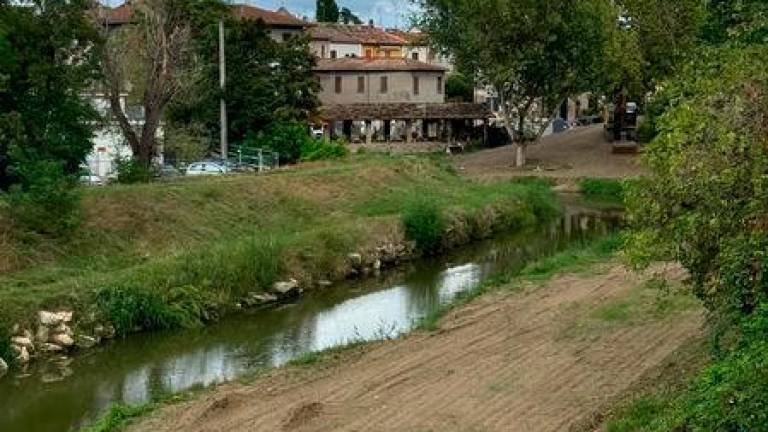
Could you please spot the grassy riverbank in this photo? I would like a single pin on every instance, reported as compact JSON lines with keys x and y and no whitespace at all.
{"x":177,"y":254}
{"x":579,"y":258}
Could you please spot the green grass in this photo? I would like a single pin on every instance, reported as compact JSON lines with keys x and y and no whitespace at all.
{"x":603,"y":190}
{"x":179,"y":254}
{"x":119,"y":416}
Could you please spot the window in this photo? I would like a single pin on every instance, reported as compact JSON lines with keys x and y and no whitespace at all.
{"x":439,"y":85}
{"x":322,"y":51}
{"x":415,"y":85}
{"x":384,"y":84}
{"x":286,"y":37}
{"x":388,"y":54}
{"x":369,"y":53}
{"x":338,"y":84}
{"x":415,"y":56}
{"x":333,"y":54}
{"x":361,"y":84}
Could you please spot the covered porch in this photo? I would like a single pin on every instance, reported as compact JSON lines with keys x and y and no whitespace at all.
{"x":407,"y":123}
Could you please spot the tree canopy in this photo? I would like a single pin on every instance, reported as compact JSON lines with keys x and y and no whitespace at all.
{"x":535,"y":53}
{"x":267,"y":82}
{"x":327,"y":11}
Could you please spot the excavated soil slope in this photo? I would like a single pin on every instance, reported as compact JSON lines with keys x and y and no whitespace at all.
{"x":530,"y":361}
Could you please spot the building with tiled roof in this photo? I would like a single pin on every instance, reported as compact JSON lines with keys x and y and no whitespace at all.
{"x":281,"y":24}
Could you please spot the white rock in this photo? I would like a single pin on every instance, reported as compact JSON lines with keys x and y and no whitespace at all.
{"x":324,"y":283}
{"x":62,"y":339}
{"x":65,"y":316}
{"x":356,"y":259}
{"x":286,"y":287}
{"x":104,"y":332}
{"x":49,"y":347}
{"x":85,"y":342}
{"x":63,"y":328}
{"x":22,"y":342}
{"x":377,"y":265}
{"x":49,"y":319}
{"x":23,"y":356}
{"x":3,"y":368}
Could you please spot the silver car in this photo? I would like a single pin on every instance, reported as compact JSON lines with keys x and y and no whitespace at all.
{"x":206,"y":169}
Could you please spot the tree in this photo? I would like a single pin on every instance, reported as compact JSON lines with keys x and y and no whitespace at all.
{"x":743,"y":21}
{"x":347,"y":17}
{"x":46,"y":64}
{"x":153,"y":61}
{"x":535,"y":53}
{"x":459,"y":88}
{"x":327,"y":11}
{"x":268,"y":82}
{"x":706,"y":203}
{"x":666,"y":33}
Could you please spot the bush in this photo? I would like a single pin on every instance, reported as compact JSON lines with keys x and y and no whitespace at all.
{"x":424,"y":223}
{"x":315,"y":149}
{"x":131,"y":172}
{"x":46,"y":200}
{"x":706,"y":202}
{"x":604,"y":189}
{"x":285,"y":138}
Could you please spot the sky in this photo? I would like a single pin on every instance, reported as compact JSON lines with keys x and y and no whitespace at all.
{"x":387,"y":13}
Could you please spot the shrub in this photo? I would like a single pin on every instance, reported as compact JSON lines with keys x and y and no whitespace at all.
{"x":424,"y":223}
{"x":315,"y":149}
{"x":131,"y":172}
{"x":605,"y":189}
{"x":285,"y":138}
{"x":46,"y":200}
{"x":132,"y":307}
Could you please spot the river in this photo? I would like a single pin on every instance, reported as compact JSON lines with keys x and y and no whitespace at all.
{"x":66,"y":395}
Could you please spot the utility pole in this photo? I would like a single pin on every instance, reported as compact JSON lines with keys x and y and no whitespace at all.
{"x":223,"y":84}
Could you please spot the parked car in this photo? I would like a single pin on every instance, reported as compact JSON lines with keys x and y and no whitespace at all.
{"x":207,"y":169}
{"x":316,"y":132}
{"x":92,"y":180}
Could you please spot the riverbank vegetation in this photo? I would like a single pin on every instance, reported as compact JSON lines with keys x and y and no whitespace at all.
{"x":705,"y":207}
{"x":160,"y":256}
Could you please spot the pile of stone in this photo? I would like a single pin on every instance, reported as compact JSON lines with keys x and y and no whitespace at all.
{"x":53,"y":335}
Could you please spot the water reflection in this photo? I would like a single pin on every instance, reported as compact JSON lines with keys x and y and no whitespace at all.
{"x":135,"y":369}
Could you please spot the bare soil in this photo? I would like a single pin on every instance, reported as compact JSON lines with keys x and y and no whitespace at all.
{"x":506,"y":362}
{"x":581,"y":152}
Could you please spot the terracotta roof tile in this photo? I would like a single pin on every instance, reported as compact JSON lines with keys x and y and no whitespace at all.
{"x":270,"y":18}
{"x":362,"y":34}
{"x":123,"y":14}
{"x":375,"y":64}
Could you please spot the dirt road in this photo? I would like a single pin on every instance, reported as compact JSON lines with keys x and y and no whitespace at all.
{"x":541,"y":360}
{"x":581,"y":152}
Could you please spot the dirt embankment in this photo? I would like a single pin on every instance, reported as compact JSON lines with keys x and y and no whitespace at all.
{"x":542,"y":360}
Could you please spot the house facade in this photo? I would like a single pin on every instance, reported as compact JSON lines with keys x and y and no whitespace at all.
{"x":373,"y":100}
{"x":361,"y":80}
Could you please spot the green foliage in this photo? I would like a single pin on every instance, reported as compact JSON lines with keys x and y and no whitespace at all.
{"x":118,"y":416}
{"x":424,"y":223}
{"x":555,"y":51}
{"x":459,"y":88}
{"x":327,"y":11}
{"x":603,"y":189}
{"x":268,"y":83}
{"x":729,"y":395}
{"x":347,"y":17}
{"x":131,"y":307}
{"x":45,"y":125}
{"x":314,"y":149}
{"x":45,"y":200}
{"x":705,"y":204}
{"x":286,"y":138}
{"x":6,"y":353}
{"x":744,"y":22}
{"x":130,"y":171}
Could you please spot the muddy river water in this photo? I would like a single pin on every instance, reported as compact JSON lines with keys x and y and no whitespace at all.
{"x":70,"y":394}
